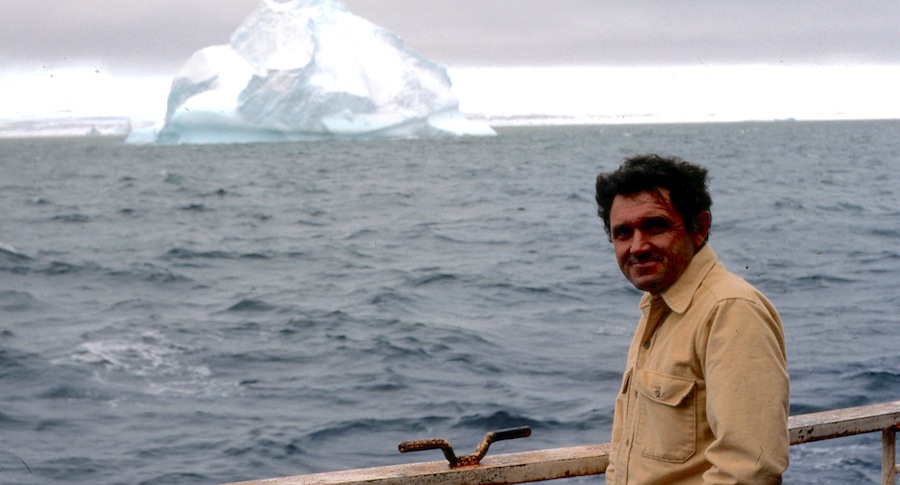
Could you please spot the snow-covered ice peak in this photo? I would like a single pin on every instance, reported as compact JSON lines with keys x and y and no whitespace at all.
{"x":309,"y":70}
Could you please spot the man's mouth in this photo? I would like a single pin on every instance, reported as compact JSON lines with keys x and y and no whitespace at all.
{"x":644,"y":265}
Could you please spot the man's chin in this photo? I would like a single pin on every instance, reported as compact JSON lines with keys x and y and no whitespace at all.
{"x":648,"y":283}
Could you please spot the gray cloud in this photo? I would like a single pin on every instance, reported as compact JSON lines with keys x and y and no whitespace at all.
{"x":159,"y":35}
{"x":645,"y":31}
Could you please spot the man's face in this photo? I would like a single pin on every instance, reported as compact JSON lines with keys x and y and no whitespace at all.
{"x":653,"y":247}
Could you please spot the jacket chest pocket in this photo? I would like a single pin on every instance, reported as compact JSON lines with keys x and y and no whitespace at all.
{"x":667,"y":416}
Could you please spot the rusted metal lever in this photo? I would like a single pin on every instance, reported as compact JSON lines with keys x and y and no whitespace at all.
{"x":474,"y":458}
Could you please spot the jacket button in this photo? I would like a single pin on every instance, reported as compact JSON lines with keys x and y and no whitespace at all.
{"x":647,"y":344}
{"x":657,"y":392}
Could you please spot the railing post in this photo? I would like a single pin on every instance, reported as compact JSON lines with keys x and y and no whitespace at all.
{"x":889,"y":456}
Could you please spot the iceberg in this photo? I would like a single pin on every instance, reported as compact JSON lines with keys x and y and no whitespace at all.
{"x":308,"y":70}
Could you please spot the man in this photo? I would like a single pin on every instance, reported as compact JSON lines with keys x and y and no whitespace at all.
{"x":704,"y":398}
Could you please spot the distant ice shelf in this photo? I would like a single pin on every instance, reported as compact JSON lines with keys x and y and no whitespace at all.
{"x":308,"y":70}
{"x":66,"y":125}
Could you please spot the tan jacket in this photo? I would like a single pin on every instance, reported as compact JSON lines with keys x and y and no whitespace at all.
{"x":704,"y":398}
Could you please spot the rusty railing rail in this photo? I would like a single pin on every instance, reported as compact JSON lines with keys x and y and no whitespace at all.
{"x":534,"y":466}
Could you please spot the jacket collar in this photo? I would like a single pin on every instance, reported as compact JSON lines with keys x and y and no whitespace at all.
{"x":678,"y":297}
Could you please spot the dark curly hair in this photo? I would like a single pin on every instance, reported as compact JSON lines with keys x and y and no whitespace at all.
{"x":685,"y":182}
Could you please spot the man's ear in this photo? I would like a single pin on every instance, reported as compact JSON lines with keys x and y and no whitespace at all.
{"x":703,"y":221}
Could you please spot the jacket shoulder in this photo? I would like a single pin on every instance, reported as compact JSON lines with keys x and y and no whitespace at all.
{"x":721,"y":284}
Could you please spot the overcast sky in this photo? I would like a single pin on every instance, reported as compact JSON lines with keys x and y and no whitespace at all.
{"x":809,"y":59}
{"x":159,"y":35}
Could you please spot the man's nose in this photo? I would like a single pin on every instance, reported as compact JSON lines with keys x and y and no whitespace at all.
{"x":640,"y":243}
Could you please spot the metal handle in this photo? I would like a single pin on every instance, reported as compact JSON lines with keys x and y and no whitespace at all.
{"x":474,"y":458}
{"x":431,"y":444}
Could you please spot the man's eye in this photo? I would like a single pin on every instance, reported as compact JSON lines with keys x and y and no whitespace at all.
{"x":656,"y":227}
{"x":622,"y":234}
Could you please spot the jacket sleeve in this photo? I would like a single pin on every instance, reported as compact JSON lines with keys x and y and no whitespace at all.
{"x":747,"y":383}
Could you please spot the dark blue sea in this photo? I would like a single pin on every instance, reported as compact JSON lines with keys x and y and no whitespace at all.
{"x":205,"y":314}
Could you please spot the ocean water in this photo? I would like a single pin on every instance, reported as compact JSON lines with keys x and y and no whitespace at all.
{"x":207,"y":314}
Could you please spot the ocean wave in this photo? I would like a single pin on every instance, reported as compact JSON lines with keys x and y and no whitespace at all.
{"x":393,"y":298}
{"x":875,"y":380}
{"x":17,"y":365}
{"x":142,"y":272}
{"x":10,"y":254}
{"x":56,"y":268}
{"x":9,"y":422}
{"x":371,"y":426}
{"x":182,"y":254}
{"x":251,"y":306}
{"x":501,"y":420}
{"x":75,"y":392}
{"x":856,"y":460}
{"x":148,"y":273}
{"x":151,"y":364}
{"x":18,"y":301}
{"x":195,"y":208}
{"x":887,"y":232}
{"x":76,"y":218}
{"x":429,"y":276}
{"x":177,"y":478}
{"x":820,"y":281}
{"x":882,"y":258}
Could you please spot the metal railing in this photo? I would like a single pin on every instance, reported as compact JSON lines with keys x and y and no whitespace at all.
{"x":534,"y":466}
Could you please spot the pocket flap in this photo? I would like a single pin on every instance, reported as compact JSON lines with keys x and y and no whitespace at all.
{"x":662,"y":388}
